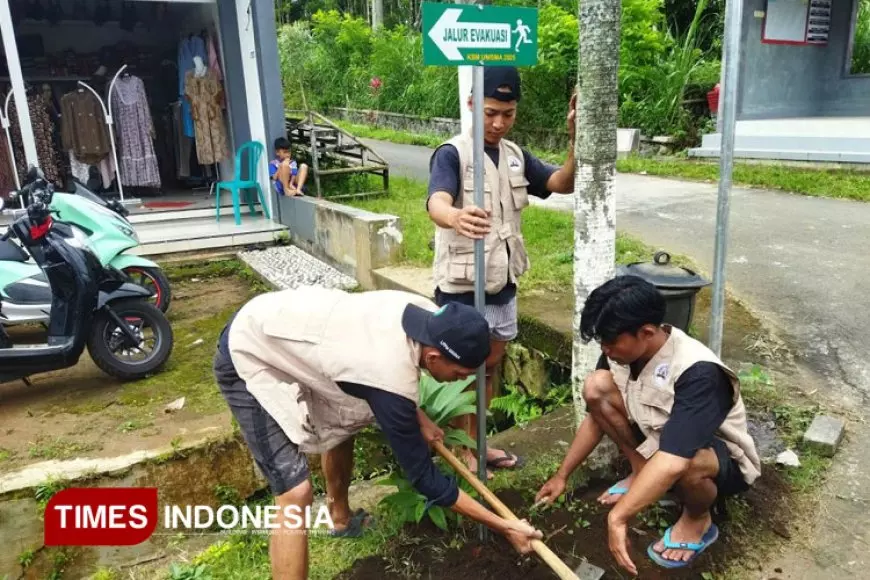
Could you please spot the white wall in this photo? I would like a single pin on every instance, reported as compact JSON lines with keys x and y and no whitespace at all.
{"x":254,"y":103}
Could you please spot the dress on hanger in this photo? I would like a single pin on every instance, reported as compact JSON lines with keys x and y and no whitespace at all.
{"x":83,"y":127}
{"x":189,"y":47}
{"x":213,"y":61}
{"x":42,"y":134}
{"x":206,"y":95}
{"x":7,"y":177}
{"x":135,"y":130}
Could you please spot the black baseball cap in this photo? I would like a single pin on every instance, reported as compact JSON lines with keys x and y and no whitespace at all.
{"x":506,"y":78}
{"x":459,"y":331}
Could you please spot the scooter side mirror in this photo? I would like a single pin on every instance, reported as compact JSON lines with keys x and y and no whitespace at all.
{"x":33,"y":173}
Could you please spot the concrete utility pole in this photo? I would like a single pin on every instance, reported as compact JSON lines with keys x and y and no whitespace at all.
{"x":594,"y":201}
{"x":16,"y":79}
{"x":377,"y":14}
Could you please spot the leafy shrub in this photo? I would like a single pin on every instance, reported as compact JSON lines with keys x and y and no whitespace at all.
{"x":442,"y":402}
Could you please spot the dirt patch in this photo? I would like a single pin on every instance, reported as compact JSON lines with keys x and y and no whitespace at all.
{"x":574,"y":531}
{"x":83,"y":412}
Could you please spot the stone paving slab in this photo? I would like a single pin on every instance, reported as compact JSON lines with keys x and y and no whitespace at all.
{"x":288,"y":267}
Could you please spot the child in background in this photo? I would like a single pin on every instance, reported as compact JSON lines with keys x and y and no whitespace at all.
{"x":288,"y":176}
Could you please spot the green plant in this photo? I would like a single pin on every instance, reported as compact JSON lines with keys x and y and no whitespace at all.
{"x":861,"y":42}
{"x":189,"y":572}
{"x":411,"y":506}
{"x":25,"y":558}
{"x":443,"y":402}
{"x":522,"y":407}
{"x":227,"y":495}
{"x":757,"y":387}
{"x":105,"y":574}
{"x":46,"y":490}
{"x":654,"y":518}
{"x":517,"y":404}
{"x":59,"y":562}
{"x":654,"y":101}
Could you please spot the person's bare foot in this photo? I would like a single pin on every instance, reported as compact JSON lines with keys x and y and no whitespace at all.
{"x":500,"y":459}
{"x":470,"y":458}
{"x":687,"y":530}
{"x":608,"y":498}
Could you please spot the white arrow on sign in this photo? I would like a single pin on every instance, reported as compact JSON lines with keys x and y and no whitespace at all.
{"x":449,"y":35}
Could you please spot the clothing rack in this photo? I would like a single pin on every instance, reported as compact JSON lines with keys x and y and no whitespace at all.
{"x":110,"y":123}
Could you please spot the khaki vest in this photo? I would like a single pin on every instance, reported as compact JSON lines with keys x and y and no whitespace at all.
{"x":650,"y":398}
{"x":292,"y":347}
{"x":505,"y":195}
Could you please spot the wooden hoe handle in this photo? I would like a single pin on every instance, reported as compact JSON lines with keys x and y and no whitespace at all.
{"x":551,"y":559}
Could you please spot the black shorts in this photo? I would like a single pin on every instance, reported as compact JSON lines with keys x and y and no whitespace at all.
{"x":278,"y":458}
{"x":729,"y":481}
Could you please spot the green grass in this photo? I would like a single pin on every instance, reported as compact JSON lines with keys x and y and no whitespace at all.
{"x":247,"y":556}
{"x":549,"y":237}
{"x":392,"y":135}
{"x":188,"y":373}
{"x":58,"y":448}
{"x":836,"y":183}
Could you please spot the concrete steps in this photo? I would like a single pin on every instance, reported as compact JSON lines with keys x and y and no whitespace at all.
{"x":171,"y":215}
{"x":191,"y":234}
{"x":823,"y":140}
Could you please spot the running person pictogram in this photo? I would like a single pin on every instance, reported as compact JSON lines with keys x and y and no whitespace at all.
{"x":523,"y":30}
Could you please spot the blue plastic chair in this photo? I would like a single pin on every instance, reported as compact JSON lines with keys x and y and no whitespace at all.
{"x":255,"y":151}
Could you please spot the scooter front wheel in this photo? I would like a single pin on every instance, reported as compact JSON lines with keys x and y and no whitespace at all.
{"x":116,"y":354}
{"x":152,"y":279}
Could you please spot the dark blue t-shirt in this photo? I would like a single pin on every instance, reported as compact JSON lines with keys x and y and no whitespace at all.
{"x":444,"y":176}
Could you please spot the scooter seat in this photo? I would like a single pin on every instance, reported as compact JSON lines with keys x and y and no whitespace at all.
{"x":12,"y":252}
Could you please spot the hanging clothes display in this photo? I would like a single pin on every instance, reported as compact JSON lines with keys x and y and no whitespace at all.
{"x":135,"y":132}
{"x":7,"y":175}
{"x":188,"y":48}
{"x":213,"y":62}
{"x":83,"y":127}
{"x":79,"y":170}
{"x":206,"y":95}
{"x":43,"y":134}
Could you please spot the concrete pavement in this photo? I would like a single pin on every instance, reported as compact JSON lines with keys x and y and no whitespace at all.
{"x":802,"y":264}
{"x":802,"y":261}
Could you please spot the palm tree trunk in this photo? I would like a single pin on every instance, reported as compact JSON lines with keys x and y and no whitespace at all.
{"x":595,"y":150}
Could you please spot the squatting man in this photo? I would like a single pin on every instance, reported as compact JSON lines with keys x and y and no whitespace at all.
{"x":675,"y":412}
{"x":304,"y":370}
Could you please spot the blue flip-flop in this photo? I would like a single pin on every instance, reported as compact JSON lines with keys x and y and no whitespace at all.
{"x":710,"y":536}
{"x":617,"y":489}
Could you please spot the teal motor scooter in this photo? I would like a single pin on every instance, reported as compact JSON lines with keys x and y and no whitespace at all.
{"x":110,"y":234}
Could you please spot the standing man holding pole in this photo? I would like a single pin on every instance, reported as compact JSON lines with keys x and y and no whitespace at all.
{"x":490,"y":225}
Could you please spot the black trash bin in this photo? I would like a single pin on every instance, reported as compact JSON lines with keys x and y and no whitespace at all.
{"x":678,"y":285}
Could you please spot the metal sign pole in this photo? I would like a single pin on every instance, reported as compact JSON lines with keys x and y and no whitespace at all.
{"x":731,"y":56}
{"x":479,"y":268}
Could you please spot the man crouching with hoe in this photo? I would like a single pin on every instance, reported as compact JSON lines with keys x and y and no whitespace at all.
{"x":303,"y":370}
{"x":675,"y":412}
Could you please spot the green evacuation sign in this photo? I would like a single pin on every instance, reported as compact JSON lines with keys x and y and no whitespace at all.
{"x":456,"y":34}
